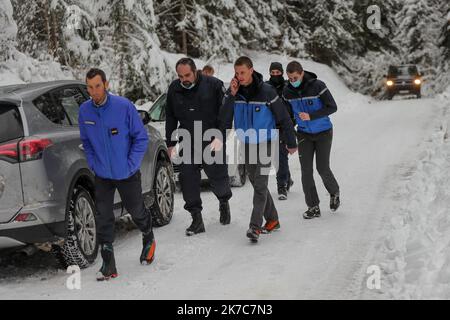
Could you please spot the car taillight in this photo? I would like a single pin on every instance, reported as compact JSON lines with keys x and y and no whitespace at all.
{"x":25,"y":217}
{"x":32,"y":148}
{"x":26,"y":150}
{"x":9,"y":151}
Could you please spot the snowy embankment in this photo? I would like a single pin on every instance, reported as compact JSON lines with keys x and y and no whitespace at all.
{"x":414,"y":250}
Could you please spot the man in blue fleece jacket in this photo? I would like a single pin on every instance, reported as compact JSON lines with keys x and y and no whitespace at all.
{"x":115,"y":141}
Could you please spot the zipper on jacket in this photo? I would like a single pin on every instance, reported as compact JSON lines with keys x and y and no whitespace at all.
{"x":308,"y":129}
{"x":106,"y":144}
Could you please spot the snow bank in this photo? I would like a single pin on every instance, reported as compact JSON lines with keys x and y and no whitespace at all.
{"x":416,"y":249}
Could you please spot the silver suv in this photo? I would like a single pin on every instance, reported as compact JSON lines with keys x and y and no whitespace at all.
{"x":46,"y":187}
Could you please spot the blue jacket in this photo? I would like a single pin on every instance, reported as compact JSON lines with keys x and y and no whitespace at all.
{"x":114,"y":137}
{"x":314,"y":98}
{"x":257,"y":107}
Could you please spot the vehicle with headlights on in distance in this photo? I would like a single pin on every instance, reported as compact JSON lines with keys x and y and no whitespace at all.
{"x":403,"y":79}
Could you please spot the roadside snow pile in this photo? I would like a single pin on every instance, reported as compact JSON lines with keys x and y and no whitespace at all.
{"x":416,"y":249}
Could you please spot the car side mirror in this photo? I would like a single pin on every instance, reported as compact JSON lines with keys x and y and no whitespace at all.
{"x":145,"y":116}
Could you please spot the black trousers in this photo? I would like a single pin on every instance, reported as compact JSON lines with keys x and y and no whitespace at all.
{"x":130,"y":191}
{"x":318,"y":145}
{"x":283,"y":173}
{"x":190,"y":182}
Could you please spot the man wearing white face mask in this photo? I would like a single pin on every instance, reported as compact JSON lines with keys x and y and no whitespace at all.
{"x":312,"y":104}
{"x":191,"y":98}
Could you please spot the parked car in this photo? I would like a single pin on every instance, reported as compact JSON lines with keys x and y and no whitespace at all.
{"x":403,"y":79}
{"x":236,"y":171}
{"x":46,"y":186}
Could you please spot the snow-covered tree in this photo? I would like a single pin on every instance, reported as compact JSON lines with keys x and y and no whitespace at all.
{"x":139,"y":69}
{"x":8,"y":29}
{"x":125,"y":37}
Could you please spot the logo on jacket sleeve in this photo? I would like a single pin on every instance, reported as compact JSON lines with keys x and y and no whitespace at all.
{"x":114,"y":131}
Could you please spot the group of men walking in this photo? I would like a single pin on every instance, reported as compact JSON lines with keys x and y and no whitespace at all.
{"x":283,"y":115}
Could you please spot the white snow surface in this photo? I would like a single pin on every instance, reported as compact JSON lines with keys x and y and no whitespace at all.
{"x":391,"y":161}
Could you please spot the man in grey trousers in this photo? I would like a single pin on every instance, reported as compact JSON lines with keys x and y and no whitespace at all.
{"x":256,"y":108}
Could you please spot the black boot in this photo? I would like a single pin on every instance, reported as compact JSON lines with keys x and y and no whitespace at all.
{"x":312,"y":213}
{"x":197,"y":225}
{"x":335,"y":202}
{"x":225,"y":215}
{"x":108,"y":269}
{"x":149,"y":247}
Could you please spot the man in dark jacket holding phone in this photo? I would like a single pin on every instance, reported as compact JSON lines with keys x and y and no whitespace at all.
{"x":255,"y":108}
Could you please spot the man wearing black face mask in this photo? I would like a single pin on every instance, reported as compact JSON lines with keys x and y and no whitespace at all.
{"x":284,"y":180}
{"x":192,"y":98}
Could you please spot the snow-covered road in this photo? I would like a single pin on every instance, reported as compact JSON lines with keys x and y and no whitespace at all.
{"x":322,"y":258}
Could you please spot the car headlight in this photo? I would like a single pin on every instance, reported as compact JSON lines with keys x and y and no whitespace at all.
{"x":417,"y":81}
{"x":390,"y":83}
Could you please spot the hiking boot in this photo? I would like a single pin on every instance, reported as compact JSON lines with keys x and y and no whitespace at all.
{"x":253,"y":234}
{"x":271,"y":226}
{"x":282,"y":193}
{"x":108,"y":269}
{"x":335,"y":202}
{"x":312,"y":213}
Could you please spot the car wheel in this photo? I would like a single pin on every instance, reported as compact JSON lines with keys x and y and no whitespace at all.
{"x":240,"y":177}
{"x":80,"y":246}
{"x":164,"y":189}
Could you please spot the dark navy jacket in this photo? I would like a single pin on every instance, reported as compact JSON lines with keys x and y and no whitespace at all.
{"x":314,"y":98}
{"x":201,"y":103}
{"x":257,"y":107}
{"x":114,"y":137}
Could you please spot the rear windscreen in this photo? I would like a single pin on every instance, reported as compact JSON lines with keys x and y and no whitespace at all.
{"x":11,"y":126}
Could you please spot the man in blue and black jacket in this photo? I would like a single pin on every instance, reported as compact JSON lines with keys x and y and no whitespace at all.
{"x":312,"y":104}
{"x":256,"y":108}
{"x":115,"y":141}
